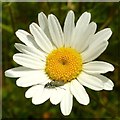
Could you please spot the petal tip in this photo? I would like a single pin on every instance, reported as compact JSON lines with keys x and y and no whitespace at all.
{"x":71,"y":11}
{"x":112,"y":68}
{"x":27,"y":95}
{"x":14,"y":57}
{"x":110,"y":31}
{"x":17,"y":32}
{"x":108,"y":85}
{"x":87,"y":13}
{"x":7,"y":73}
{"x":87,"y":101}
{"x":17,"y":83}
{"x":41,"y":13}
{"x":32,"y":24}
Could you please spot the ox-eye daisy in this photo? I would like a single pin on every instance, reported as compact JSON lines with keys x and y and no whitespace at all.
{"x":57,"y":63}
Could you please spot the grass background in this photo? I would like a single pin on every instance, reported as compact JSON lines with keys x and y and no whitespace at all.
{"x":103,"y":105}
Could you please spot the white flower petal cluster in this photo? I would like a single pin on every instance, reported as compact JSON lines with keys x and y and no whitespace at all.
{"x":46,"y":37}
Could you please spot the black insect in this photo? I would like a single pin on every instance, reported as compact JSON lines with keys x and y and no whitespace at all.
{"x":54,"y":84}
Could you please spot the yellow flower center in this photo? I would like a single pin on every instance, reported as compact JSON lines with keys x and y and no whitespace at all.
{"x":63,"y":64}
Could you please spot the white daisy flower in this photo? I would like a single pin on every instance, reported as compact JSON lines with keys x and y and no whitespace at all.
{"x":57,"y":63}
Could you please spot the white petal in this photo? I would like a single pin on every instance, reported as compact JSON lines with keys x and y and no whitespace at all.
{"x":90,"y":81}
{"x":40,"y":38}
{"x":97,"y":67}
{"x":20,"y":72}
{"x":85,"y":37}
{"x":53,"y":97}
{"x":34,"y":90}
{"x":33,"y":79}
{"x":55,"y":31}
{"x":18,"y":46}
{"x":83,"y":20}
{"x":57,"y":95}
{"x":68,"y":27}
{"x":98,"y":43}
{"x":67,"y":102}
{"x":41,"y":98}
{"x":80,"y":28}
{"x":28,"y":61}
{"x":31,"y":51}
{"x":108,"y":84}
{"x":94,"y":51}
{"x":26,"y":38}
{"x":43,"y":22}
{"x":79,"y":92}
{"x":102,"y":35}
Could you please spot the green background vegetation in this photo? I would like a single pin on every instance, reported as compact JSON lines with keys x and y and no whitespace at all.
{"x":104,"y":104}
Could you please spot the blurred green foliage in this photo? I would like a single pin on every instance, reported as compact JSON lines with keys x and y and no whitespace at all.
{"x":104,"y":104}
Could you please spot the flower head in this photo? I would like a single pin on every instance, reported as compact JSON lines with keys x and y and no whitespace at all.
{"x":57,"y":63}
